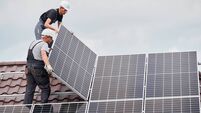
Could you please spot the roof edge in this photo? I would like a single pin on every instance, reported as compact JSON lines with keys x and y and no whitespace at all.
{"x":7,"y":63}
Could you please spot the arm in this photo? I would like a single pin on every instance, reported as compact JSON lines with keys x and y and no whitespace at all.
{"x":45,"y":57}
{"x":47,"y":66}
{"x":47,"y":25}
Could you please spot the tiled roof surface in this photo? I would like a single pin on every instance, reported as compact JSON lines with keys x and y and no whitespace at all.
{"x":13,"y":85}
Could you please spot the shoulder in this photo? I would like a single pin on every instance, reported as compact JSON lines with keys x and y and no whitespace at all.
{"x":45,"y":47}
{"x":52,"y":11}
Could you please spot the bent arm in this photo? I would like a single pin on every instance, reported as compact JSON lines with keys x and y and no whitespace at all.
{"x":47,"y":25}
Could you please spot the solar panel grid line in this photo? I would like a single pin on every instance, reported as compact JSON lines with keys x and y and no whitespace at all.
{"x":154,"y":83}
{"x":163,"y":82}
{"x":73,"y":61}
{"x":79,"y":68}
{"x":67,"y":107}
{"x":66,"y":58}
{"x":64,"y":82}
{"x":118,"y":81}
{"x":101,"y":80}
{"x":62,"y":42}
{"x":127,"y":82}
{"x":122,"y":80}
{"x":172,"y":97}
{"x":91,"y":86}
{"x":104,"y":90}
{"x":129,"y":99}
{"x":109,"y":81}
{"x":116,"y":107}
{"x":174,"y":105}
{"x":71,"y":68}
{"x":145,"y":83}
{"x":89,"y":73}
{"x":181,"y":77}
{"x":14,"y":109}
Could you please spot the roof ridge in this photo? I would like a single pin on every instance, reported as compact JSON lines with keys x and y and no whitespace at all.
{"x":7,"y":63}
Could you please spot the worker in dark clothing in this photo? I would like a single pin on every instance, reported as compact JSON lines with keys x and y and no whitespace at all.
{"x":51,"y":16}
{"x":38,"y":67}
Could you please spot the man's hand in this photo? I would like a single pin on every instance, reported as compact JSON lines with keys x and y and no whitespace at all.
{"x":57,"y":30}
{"x":49,"y":69}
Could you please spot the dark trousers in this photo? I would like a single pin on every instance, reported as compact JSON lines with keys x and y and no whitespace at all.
{"x":38,"y":29}
{"x":37,"y":76}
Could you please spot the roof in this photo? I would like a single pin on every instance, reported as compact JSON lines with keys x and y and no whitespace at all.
{"x":13,"y":85}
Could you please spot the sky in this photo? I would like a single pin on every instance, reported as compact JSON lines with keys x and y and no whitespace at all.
{"x":108,"y":27}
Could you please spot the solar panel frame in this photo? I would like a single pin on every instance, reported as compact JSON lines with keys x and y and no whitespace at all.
{"x":65,"y":107}
{"x":116,"y":106}
{"x":181,"y":73}
{"x":16,"y":108}
{"x":67,"y":59}
{"x":137,"y":74}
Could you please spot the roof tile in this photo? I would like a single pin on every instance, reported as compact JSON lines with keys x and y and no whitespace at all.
{"x":15,"y":83}
{"x":4,"y":90}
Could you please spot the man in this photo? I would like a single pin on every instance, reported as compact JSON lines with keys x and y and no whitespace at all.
{"x":38,"y":67}
{"x":51,"y":16}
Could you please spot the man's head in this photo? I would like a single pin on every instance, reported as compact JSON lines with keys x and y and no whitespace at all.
{"x":64,"y":7}
{"x":47,"y":35}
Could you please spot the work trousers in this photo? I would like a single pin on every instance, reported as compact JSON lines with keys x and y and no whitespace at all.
{"x":37,"y":77}
{"x":38,"y":29}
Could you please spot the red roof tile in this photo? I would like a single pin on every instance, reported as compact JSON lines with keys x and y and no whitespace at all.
{"x":13,"y":85}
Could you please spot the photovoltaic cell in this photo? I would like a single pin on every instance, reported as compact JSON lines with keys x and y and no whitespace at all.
{"x":172,"y":83}
{"x":15,"y":109}
{"x":129,"y":106}
{"x":119,"y":77}
{"x":76,"y":107}
{"x":174,"y":105}
{"x":73,"y":62}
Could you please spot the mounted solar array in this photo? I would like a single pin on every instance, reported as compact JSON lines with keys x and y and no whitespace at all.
{"x":73,"y":62}
{"x":165,"y":82}
{"x":172,"y":83}
{"x":118,"y":84}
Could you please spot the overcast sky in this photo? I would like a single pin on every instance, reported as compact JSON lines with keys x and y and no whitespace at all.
{"x":108,"y":27}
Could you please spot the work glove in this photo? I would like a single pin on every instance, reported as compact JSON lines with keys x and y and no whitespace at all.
{"x":49,"y":69}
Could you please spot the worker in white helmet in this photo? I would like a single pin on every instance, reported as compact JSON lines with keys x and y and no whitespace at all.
{"x":51,"y":16}
{"x":38,"y":67}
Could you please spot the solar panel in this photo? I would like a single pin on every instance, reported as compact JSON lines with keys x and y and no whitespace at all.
{"x":15,"y":109}
{"x":129,"y":106}
{"x":73,"y":62}
{"x":173,"y":105}
{"x":119,"y":77}
{"x":71,"y":107}
{"x":172,"y":80}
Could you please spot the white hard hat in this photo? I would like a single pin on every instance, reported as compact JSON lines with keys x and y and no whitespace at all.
{"x":48,"y":32}
{"x":65,"y":4}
